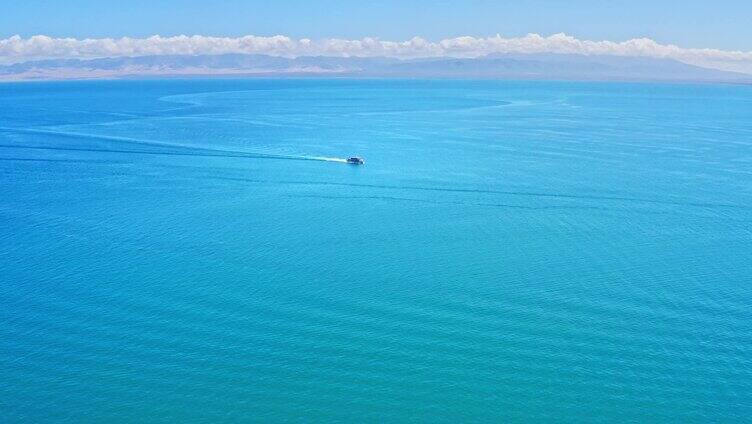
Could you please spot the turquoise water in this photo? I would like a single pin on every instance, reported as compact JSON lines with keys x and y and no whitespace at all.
{"x":511,"y":252}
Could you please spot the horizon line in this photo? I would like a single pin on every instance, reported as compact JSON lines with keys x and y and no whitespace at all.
{"x":17,"y":49}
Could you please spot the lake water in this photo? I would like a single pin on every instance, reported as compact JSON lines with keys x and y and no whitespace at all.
{"x":195,"y":250}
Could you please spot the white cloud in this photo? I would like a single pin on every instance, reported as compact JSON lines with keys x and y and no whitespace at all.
{"x":18,"y":49}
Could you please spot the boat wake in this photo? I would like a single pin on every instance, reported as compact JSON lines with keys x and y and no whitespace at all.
{"x":174,"y":148}
{"x":327,"y":159}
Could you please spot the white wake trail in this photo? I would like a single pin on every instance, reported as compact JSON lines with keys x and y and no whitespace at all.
{"x":155,"y":143}
{"x":327,"y":159}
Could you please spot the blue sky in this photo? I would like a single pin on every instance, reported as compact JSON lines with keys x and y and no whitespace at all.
{"x":723,"y":24}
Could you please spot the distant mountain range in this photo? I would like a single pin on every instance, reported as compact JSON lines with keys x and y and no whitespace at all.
{"x":501,"y":66}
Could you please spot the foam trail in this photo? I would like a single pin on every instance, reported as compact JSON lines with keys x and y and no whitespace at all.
{"x":198,"y":150}
{"x":328,"y":159}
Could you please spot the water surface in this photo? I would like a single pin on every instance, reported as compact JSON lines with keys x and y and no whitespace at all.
{"x":510,"y":252}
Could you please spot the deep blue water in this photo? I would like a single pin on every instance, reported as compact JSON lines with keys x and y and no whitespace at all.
{"x":510,"y":252}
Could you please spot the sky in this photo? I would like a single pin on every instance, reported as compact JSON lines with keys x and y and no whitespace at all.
{"x":719,"y":24}
{"x":715,"y":34}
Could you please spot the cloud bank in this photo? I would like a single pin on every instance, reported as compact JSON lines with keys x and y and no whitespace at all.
{"x":17,"y":49}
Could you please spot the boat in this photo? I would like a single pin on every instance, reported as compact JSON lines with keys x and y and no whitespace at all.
{"x":355,"y":161}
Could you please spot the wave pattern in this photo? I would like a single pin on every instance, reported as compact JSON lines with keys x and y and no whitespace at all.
{"x":578,"y":253}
